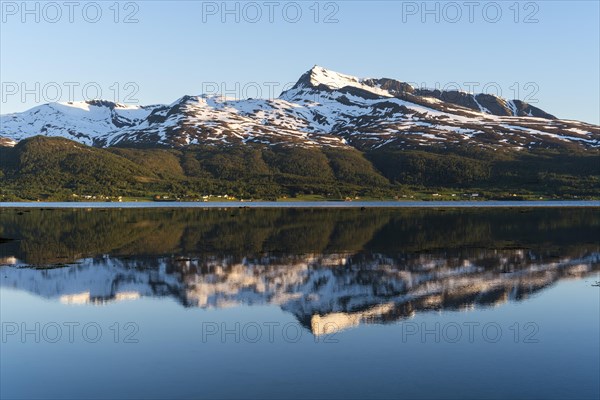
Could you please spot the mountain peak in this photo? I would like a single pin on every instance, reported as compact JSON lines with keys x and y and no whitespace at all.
{"x":320,"y":76}
{"x":322,"y":79}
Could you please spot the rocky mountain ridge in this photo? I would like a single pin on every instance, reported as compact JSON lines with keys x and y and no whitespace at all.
{"x":324,"y":108}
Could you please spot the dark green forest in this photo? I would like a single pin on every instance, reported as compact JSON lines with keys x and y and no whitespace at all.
{"x":43,"y":168}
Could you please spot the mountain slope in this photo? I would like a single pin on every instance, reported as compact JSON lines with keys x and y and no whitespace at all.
{"x":58,"y":168}
{"x":61,"y":169}
{"x":46,"y":165}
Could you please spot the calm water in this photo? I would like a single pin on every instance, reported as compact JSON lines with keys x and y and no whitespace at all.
{"x":305,"y":302}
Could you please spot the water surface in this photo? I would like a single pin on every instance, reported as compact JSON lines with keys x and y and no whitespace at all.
{"x":304,"y":302}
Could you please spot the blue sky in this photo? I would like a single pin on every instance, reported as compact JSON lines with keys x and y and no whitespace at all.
{"x":547,"y":53}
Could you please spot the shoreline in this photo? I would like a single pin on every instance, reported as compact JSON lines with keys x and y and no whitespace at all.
{"x":307,"y":204}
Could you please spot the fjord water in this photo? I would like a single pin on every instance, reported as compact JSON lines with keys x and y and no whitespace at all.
{"x":305,"y":302}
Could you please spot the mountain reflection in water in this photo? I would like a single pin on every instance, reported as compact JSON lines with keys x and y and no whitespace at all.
{"x":332,"y":269}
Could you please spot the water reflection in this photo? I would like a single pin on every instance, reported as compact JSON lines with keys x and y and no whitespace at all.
{"x":331,"y":269}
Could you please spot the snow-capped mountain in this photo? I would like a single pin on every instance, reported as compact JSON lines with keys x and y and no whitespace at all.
{"x":83,"y":121}
{"x":324,"y":108}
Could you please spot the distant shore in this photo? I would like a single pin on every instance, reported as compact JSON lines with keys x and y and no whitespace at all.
{"x":306,"y":204}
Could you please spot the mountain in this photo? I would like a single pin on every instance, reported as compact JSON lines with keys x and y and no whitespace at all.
{"x":331,"y":135}
{"x":83,"y":121}
{"x":324,"y":108}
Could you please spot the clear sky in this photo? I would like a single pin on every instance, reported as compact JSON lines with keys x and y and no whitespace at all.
{"x":544,"y":52}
